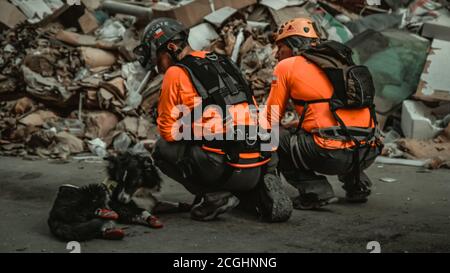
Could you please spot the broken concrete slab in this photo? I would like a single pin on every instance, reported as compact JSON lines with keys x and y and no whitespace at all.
{"x":201,"y":36}
{"x":418,"y":121}
{"x":434,"y":81}
{"x":218,"y":17}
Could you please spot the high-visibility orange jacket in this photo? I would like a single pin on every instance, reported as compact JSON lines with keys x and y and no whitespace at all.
{"x":300,"y":79}
{"x":177,"y":89}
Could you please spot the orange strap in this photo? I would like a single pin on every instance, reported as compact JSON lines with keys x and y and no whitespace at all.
{"x":243,"y":156}
{"x":249,"y":166}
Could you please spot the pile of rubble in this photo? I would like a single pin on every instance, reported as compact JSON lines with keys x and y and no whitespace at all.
{"x":70,"y":85}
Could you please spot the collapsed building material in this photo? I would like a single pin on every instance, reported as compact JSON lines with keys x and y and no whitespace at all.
{"x":37,"y":10}
{"x":10,"y":16}
{"x":46,"y":88}
{"x":201,"y":36}
{"x":418,"y":121}
{"x":88,"y":22}
{"x":190,"y":13}
{"x":38,"y":118}
{"x":96,"y":76}
{"x":236,"y":4}
{"x":76,"y":39}
{"x":218,"y":17}
{"x":395,"y":59}
{"x":99,"y":124}
{"x":123,"y":8}
{"x":434,"y":81}
{"x":94,"y":57}
{"x":438,"y":28}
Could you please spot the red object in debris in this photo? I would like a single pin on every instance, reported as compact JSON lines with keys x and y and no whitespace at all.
{"x":154,"y":222}
{"x":114,"y":234}
{"x":106,"y":214}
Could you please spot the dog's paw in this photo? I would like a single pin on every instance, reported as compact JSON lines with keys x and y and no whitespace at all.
{"x":111,"y":232}
{"x":154,"y":222}
{"x":106,"y":214}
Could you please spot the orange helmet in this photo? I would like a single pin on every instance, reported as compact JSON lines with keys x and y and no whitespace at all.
{"x":303,"y":27}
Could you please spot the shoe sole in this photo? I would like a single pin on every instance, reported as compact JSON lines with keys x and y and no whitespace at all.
{"x":282,"y":204}
{"x":231,"y":204}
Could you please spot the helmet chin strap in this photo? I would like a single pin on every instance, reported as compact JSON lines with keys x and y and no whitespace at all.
{"x":174,"y":51}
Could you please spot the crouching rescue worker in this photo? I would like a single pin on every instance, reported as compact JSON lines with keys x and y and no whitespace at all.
{"x":333,"y":97}
{"x":214,"y":155}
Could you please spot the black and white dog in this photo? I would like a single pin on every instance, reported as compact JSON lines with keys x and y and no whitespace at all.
{"x":127,"y":196}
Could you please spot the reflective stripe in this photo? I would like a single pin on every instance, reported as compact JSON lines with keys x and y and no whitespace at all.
{"x":213,"y":150}
{"x":249,"y":166}
{"x":241,"y":155}
{"x":249,"y":155}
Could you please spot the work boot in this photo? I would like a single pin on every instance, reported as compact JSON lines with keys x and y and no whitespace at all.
{"x":274,"y":204}
{"x":356,"y":191}
{"x":212,"y":205}
{"x":313,"y":194}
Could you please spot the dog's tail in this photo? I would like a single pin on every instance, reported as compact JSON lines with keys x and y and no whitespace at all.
{"x":78,"y":231}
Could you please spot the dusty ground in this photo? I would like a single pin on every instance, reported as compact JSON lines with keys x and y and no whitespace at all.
{"x":409,"y":215}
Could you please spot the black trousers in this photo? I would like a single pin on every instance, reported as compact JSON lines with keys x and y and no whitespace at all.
{"x":207,"y":169}
{"x":307,"y":158}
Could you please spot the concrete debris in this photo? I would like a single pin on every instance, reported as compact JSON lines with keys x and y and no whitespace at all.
{"x":98,"y":147}
{"x":201,"y":36}
{"x":71,"y":85}
{"x":418,"y":122}
{"x":388,"y":180}
{"x":218,"y":17}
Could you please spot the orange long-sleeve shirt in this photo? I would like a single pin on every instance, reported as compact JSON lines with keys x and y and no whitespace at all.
{"x":300,"y":79}
{"x":177,"y":89}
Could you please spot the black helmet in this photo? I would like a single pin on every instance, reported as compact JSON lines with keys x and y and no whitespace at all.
{"x":156,"y":35}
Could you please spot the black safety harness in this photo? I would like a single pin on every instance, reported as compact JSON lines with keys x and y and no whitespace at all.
{"x":219,"y":82}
